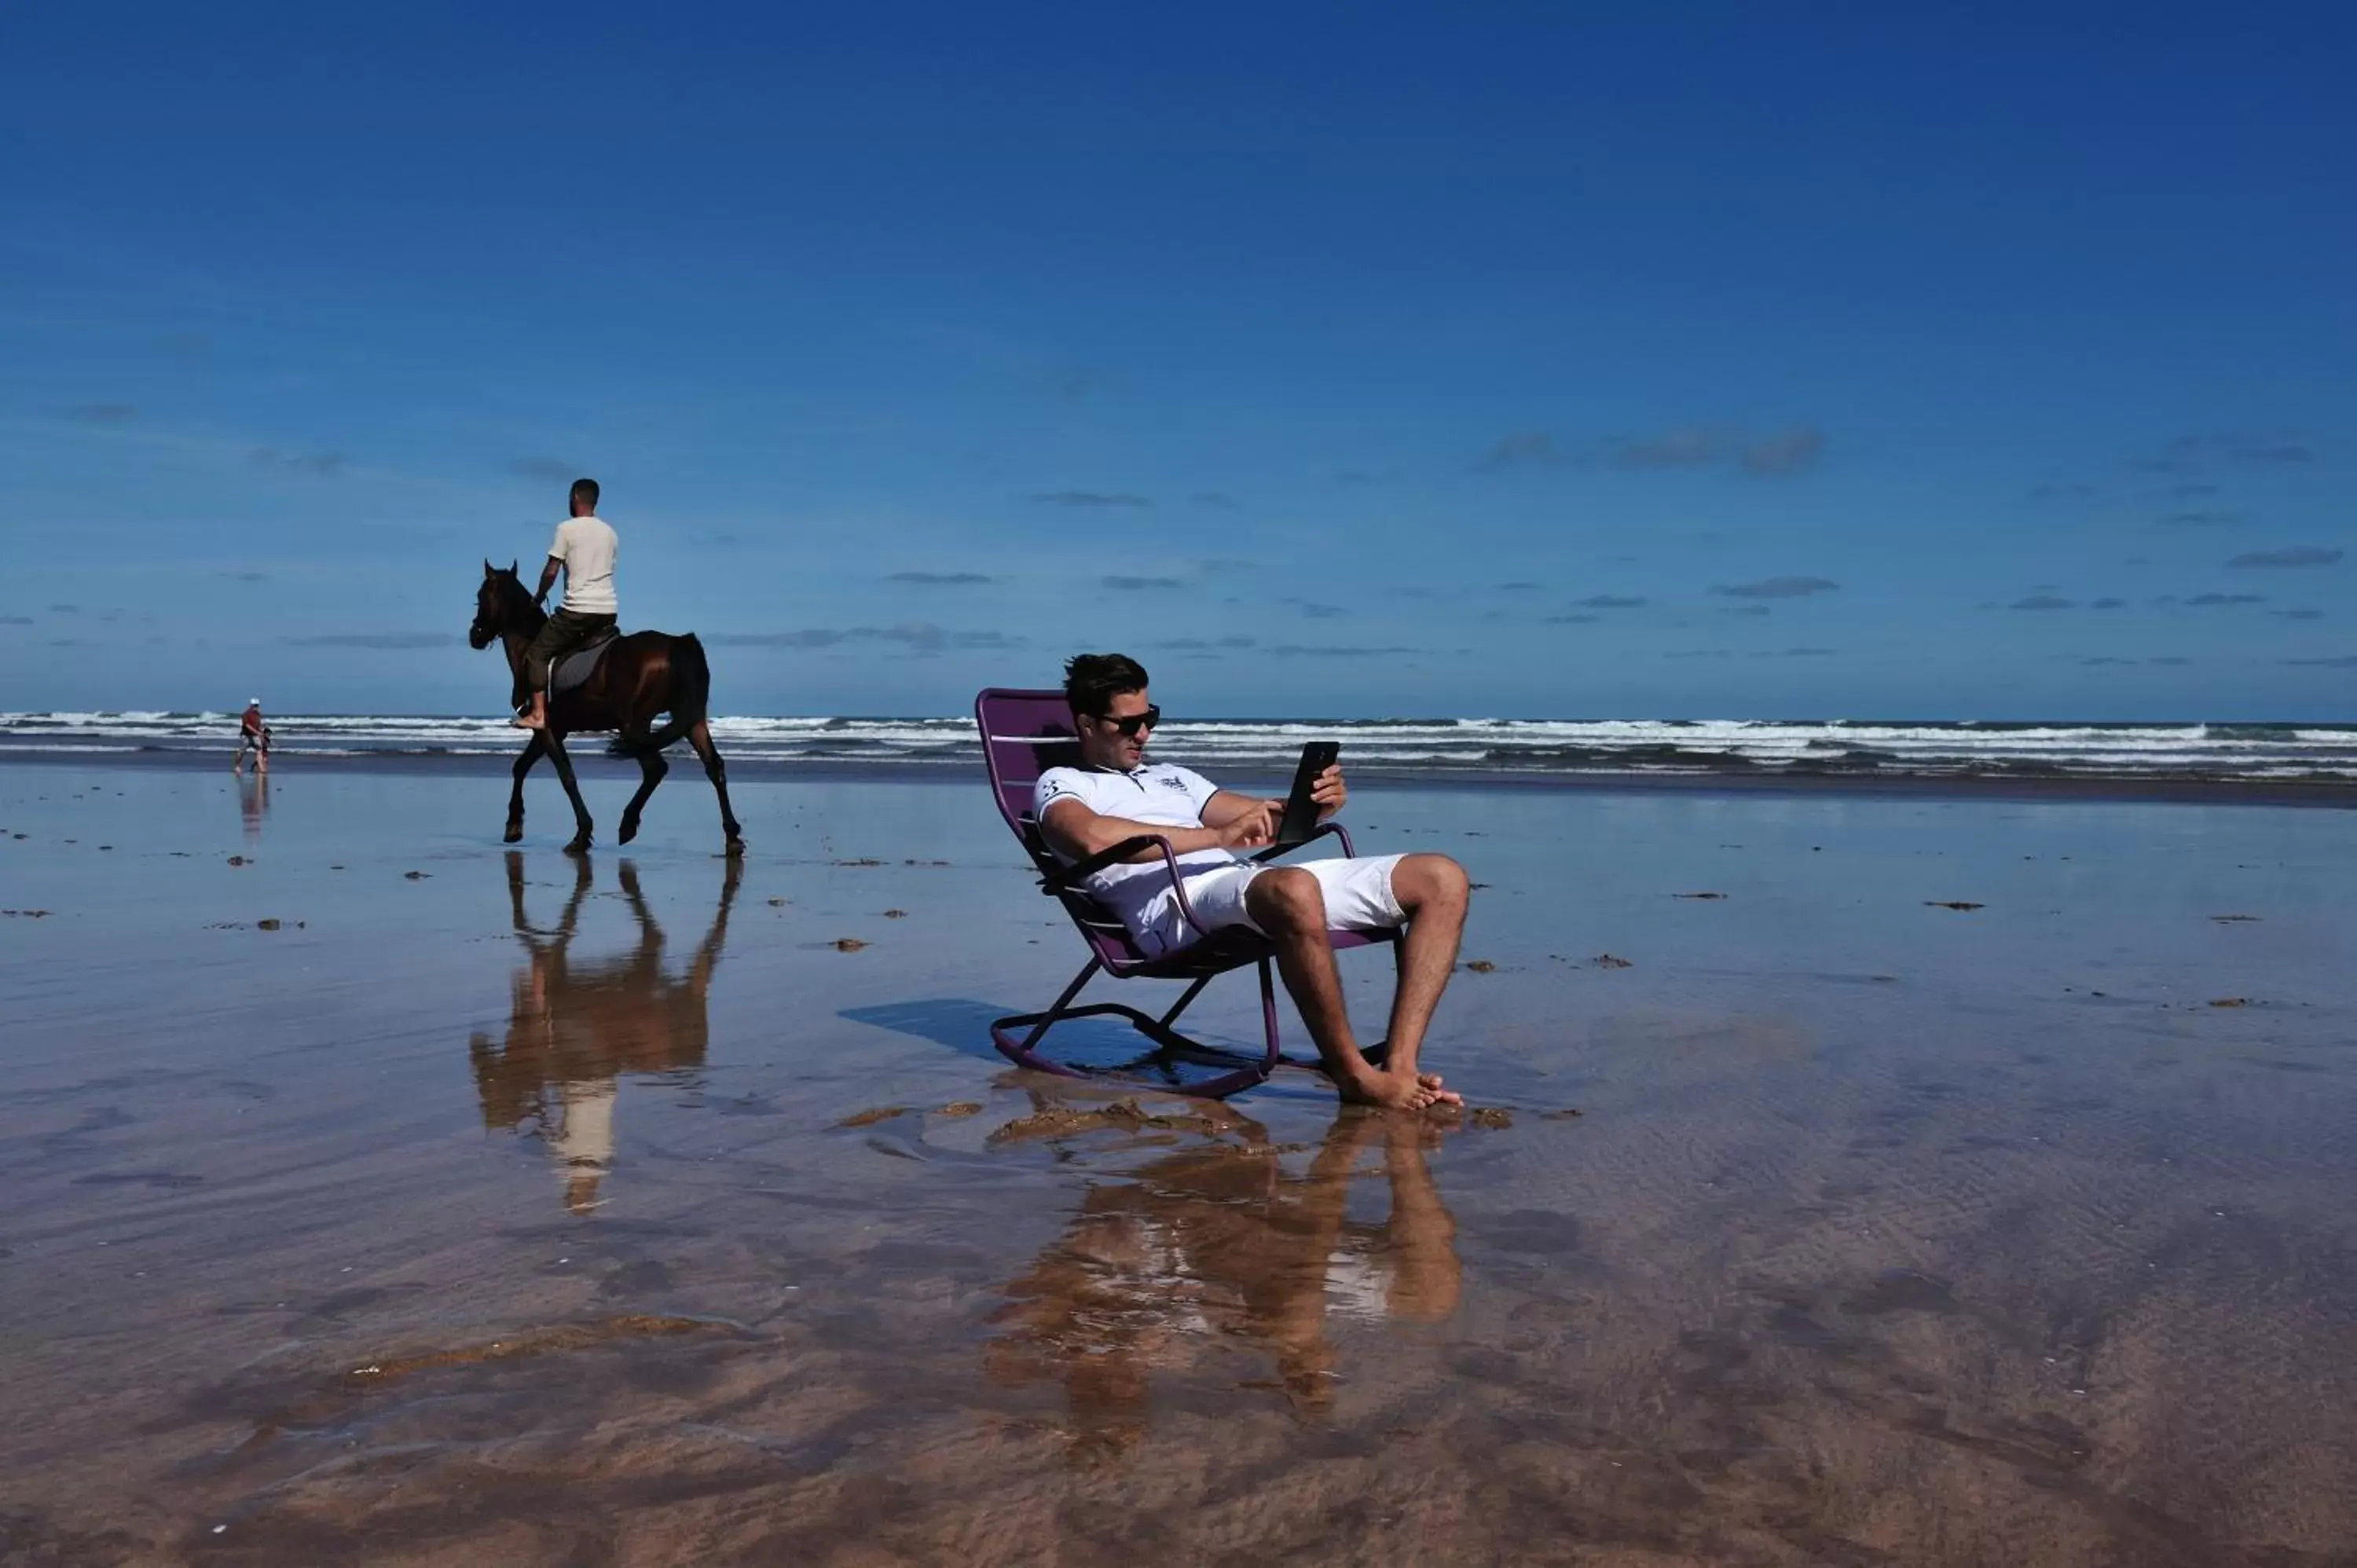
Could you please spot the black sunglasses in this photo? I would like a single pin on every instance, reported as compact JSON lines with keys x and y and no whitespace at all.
{"x":1134,"y":723}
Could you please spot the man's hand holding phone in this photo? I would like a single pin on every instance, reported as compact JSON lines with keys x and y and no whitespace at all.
{"x":1330,"y":793}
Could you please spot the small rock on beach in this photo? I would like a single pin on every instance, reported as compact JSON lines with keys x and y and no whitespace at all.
{"x":870,"y":1117}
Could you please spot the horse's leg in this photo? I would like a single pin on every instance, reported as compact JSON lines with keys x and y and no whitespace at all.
{"x":532,"y":750}
{"x":653,"y":765}
{"x":716,"y":770}
{"x":557,"y":754}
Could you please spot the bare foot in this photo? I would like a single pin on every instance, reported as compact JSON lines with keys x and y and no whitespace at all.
{"x":1430,"y":1082}
{"x":525,"y":721}
{"x":1397,"y":1091}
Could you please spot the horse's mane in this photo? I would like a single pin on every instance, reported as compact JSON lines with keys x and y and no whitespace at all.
{"x":516,"y":600}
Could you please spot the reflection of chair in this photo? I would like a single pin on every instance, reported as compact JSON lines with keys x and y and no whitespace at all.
{"x":1216,"y":1246}
{"x":1024,"y":734}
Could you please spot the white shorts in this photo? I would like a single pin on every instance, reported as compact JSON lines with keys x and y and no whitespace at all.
{"x":1359,"y":897}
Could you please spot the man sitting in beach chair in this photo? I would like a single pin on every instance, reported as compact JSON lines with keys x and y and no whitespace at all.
{"x":1117,"y":795}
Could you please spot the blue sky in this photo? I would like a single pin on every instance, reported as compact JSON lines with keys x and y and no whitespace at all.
{"x":1476,"y":360}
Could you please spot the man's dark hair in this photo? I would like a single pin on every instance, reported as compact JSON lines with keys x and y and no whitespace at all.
{"x":1092,"y":681}
{"x":585,"y":492}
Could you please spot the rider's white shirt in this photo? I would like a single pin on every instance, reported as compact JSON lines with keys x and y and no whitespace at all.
{"x":586,"y":545}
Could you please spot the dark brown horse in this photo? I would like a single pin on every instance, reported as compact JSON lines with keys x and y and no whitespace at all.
{"x":642,"y":674}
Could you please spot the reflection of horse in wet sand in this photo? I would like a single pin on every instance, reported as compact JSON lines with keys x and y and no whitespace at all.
{"x":1217,"y":1244}
{"x":576,"y":1027}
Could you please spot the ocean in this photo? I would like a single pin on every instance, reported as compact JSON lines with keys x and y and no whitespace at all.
{"x":2257,"y":753}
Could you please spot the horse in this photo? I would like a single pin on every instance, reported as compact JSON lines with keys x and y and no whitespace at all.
{"x":642,"y":675}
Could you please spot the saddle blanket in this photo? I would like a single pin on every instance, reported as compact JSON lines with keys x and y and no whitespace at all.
{"x":574,"y":668}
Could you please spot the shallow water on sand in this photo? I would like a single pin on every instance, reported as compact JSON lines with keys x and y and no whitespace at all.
{"x":528,"y":1212}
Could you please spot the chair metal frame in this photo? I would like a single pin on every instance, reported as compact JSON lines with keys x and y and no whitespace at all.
{"x":999,"y":712}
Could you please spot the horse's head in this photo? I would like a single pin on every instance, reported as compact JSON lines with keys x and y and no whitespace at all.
{"x":494,"y":602}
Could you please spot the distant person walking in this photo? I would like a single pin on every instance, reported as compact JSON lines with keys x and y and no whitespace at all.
{"x":252,"y":736}
{"x":585,"y":546}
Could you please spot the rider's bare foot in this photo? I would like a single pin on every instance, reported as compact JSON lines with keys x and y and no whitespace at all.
{"x":525,"y":721}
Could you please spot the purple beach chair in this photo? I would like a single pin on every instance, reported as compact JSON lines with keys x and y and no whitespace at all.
{"x":1024,"y":734}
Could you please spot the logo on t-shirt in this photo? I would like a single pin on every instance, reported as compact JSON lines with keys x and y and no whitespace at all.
{"x":1172,"y":781}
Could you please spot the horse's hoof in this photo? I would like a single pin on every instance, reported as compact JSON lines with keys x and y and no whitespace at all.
{"x":630,"y":831}
{"x":578,"y":846}
{"x":514,"y":833}
{"x":735,"y":850}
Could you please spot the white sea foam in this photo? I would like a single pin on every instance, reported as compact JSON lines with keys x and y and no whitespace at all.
{"x":1534,"y":746}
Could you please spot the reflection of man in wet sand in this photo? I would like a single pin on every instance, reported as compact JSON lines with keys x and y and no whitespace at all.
{"x":253,"y":804}
{"x":1217,"y":1243}
{"x":576,"y":1027}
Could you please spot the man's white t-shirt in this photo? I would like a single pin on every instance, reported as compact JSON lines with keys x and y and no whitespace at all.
{"x":587,"y":547}
{"x":1160,"y":795}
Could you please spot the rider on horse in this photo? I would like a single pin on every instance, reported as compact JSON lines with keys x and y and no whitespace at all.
{"x":584,"y":547}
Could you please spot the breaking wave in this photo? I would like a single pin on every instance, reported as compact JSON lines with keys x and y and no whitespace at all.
{"x":1539,"y":746}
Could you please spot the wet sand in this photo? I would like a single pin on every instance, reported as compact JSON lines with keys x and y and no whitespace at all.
{"x":517,"y":1210}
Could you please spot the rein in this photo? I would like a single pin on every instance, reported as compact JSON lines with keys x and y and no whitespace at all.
{"x":520,"y":621}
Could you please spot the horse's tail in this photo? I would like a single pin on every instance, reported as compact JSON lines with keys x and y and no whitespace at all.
{"x":691,"y":695}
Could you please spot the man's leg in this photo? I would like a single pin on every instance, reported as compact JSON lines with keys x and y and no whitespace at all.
{"x":1289,"y":905}
{"x":548,"y":644}
{"x":1435,"y":891}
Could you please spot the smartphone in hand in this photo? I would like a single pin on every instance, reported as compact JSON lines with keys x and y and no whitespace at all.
{"x":1301,"y":819}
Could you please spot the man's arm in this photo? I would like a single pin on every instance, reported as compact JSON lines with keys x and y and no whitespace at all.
{"x":1330,"y":793}
{"x":1226,"y":806}
{"x":547,"y":579}
{"x":1078,"y":832}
